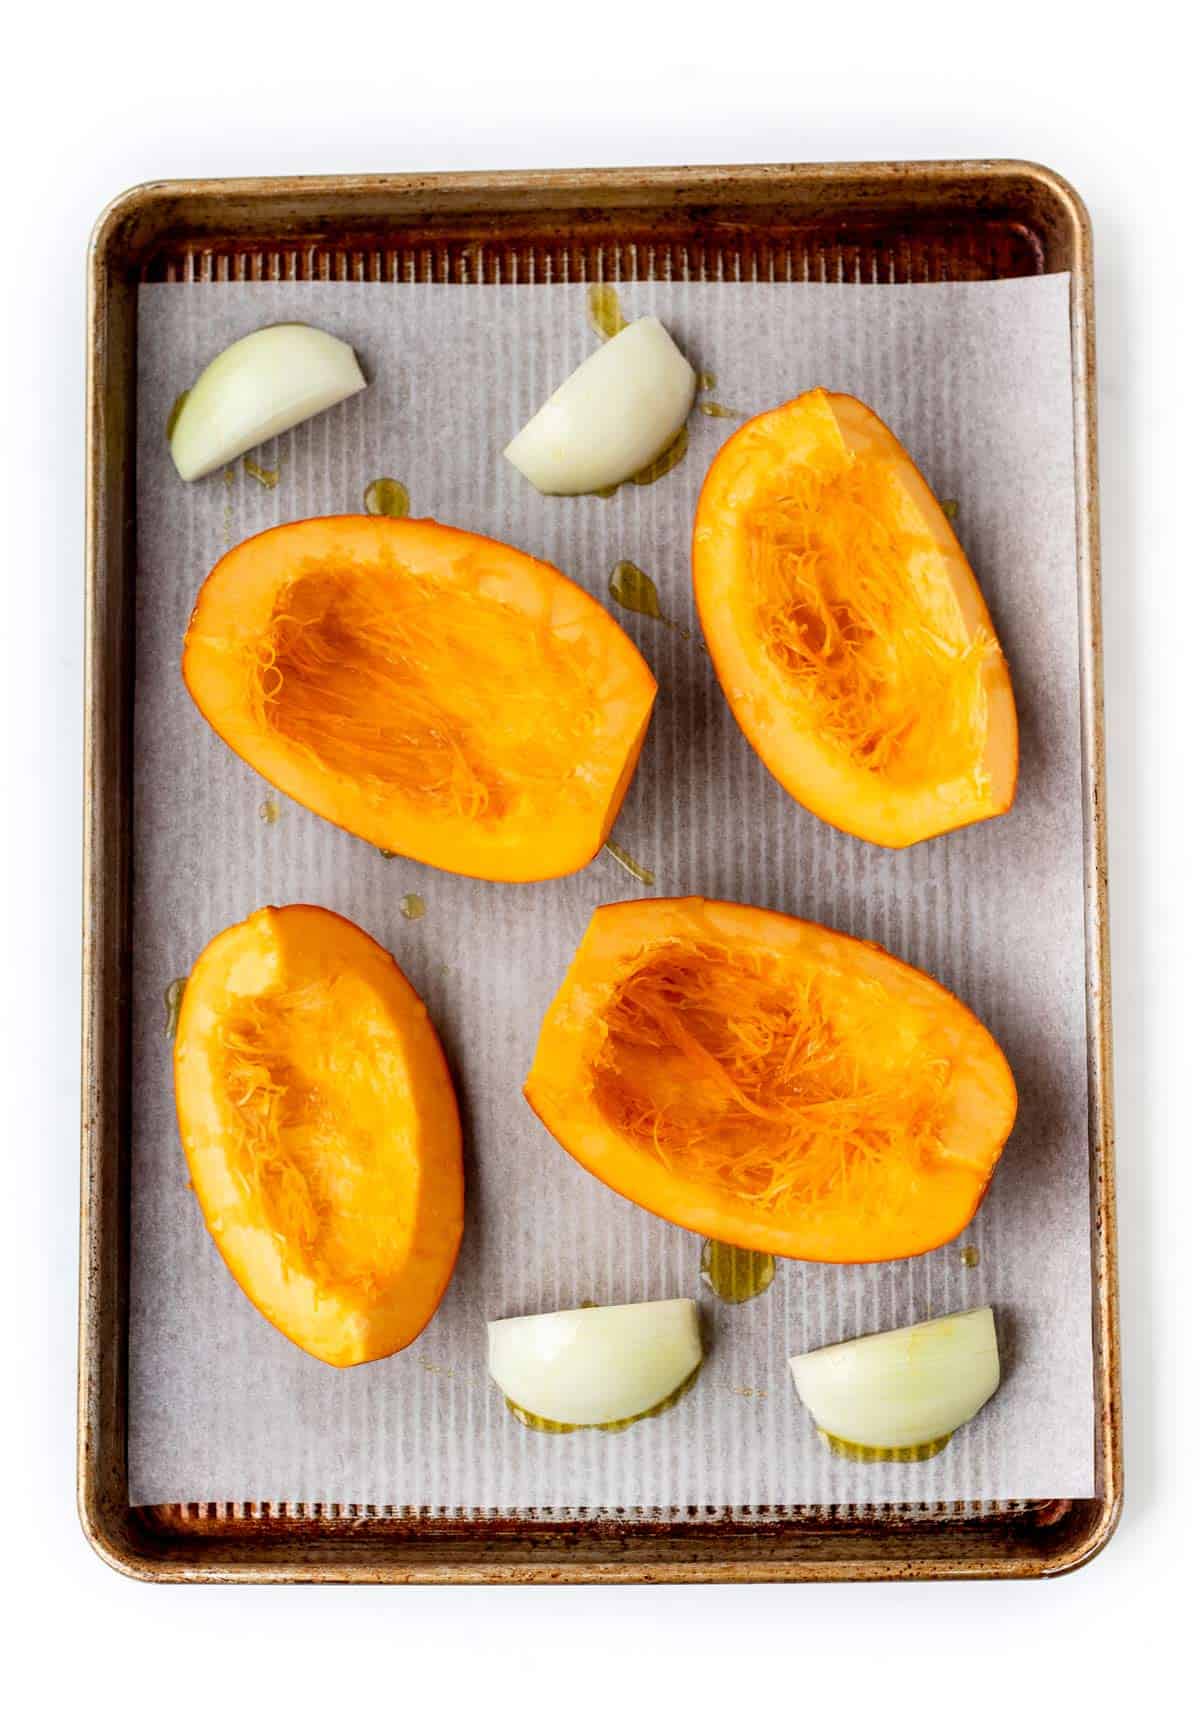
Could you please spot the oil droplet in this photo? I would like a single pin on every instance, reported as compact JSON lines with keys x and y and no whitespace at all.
{"x":736,"y":1274}
{"x":884,"y":1453}
{"x":662,"y":464}
{"x":172,"y":997}
{"x":746,"y":1391}
{"x":638,"y":871}
{"x":632,"y":588}
{"x":969,"y":1256}
{"x":436,"y":1367}
{"x":706,"y":380}
{"x":604,"y":310}
{"x":176,"y":410}
{"x":950,"y":506}
{"x":227,"y":514}
{"x":384,"y":853}
{"x":718,"y":411}
{"x":385,"y":497}
{"x":412,"y":906}
{"x":268,"y":811}
{"x":539,"y":1424}
{"x":268,"y":478}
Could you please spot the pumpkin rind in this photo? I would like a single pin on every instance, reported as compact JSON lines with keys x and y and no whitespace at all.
{"x":847,"y":628}
{"x":441,"y":695}
{"x":321,"y":1131}
{"x":845,"y":1109}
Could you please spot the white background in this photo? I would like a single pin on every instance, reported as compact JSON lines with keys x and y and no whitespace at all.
{"x":127,"y":93}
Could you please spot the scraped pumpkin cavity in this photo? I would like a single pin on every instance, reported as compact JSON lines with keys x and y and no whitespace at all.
{"x":321,"y":1131}
{"x":779,"y":1088}
{"x":770,"y":1083}
{"x":441,"y":695}
{"x":890,"y":677}
{"x":847,"y":628}
{"x":430,"y":696}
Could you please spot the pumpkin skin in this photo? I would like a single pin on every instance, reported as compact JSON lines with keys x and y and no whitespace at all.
{"x":321,"y":1131}
{"x":771,"y":1083}
{"x":847,"y":628}
{"x":439,"y":694}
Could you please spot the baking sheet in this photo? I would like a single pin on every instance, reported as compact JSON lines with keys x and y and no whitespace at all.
{"x":975,"y":378}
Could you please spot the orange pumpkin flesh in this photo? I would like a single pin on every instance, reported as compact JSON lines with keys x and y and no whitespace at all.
{"x":321,"y":1131}
{"x":436,"y":693}
{"x":771,"y":1083}
{"x":847,"y":629}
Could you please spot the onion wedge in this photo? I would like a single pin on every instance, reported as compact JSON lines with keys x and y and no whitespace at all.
{"x":260,"y":386}
{"x":593,"y":1365}
{"x":615,"y":413}
{"x":900,"y":1388}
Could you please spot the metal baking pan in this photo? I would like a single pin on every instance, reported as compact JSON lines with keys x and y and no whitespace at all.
{"x":903,"y":222}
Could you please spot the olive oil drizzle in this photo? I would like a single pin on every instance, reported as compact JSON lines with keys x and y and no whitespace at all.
{"x":412,"y":906}
{"x":386,"y":497}
{"x":632,"y":588}
{"x":950,"y":508}
{"x":539,"y":1424}
{"x":736,"y":1274}
{"x":884,"y":1453}
{"x":604,"y":310}
{"x":268,"y":811}
{"x":630,"y":865}
{"x":268,"y":478}
{"x":176,"y":410}
{"x":662,"y":464}
{"x":227,"y":514}
{"x":969,"y":1256}
{"x":172,"y":998}
{"x":706,"y":381}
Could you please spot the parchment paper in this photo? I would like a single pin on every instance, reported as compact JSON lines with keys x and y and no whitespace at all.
{"x":975,"y":379}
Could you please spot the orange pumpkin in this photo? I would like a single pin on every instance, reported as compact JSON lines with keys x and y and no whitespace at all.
{"x":321,"y":1131}
{"x":771,"y":1083}
{"x":847,"y":628}
{"x":436,"y":693}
